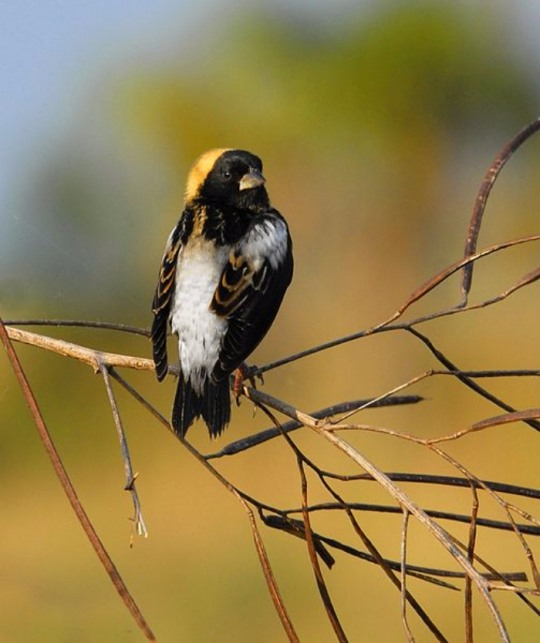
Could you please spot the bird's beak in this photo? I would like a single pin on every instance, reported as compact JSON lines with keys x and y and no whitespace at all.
{"x":252,"y":179}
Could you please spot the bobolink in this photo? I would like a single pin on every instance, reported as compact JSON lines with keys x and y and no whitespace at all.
{"x":225,"y":270}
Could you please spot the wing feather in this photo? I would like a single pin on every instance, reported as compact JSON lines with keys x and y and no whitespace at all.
{"x":161,"y":304}
{"x":251,"y":290}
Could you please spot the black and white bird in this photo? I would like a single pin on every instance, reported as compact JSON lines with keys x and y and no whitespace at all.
{"x":225,"y":270}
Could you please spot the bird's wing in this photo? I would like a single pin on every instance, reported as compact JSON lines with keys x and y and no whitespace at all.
{"x":251,"y":289}
{"x":161,"y":304}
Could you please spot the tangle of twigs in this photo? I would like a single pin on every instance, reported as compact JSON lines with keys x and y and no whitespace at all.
{"x":330,"y":424}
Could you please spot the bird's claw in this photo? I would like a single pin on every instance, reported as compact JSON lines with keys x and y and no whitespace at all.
{"x":241,"y":374}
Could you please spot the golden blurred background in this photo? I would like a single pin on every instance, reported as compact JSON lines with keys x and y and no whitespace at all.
{"x":376,"y":123}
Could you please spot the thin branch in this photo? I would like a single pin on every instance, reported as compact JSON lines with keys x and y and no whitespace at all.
{"x":93,"y":358}
{"x":297,"y":528}
{"x":530,"y":530}
{"x":79,"y":323}
{"x":269,"y":434}
{"x":421,"y":572}
{"x":404,"y":528}
{"x":138,"y":519}
{"x":271,"y":583}
{"x":69,"y":489}
{"x":466,"y":380}
{"x":471,"y":556}
{"x":452,"y":481}
{"x":482,"y":197}
{"x":323,"y":590}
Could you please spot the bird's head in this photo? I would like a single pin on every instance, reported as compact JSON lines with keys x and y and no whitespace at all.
{"x":227,"y":177}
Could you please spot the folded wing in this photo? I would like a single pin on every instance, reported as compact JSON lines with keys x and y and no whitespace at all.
{"x":251,"y":290}
{"x":161,"y":305}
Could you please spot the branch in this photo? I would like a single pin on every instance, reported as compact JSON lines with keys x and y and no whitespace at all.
{"x":94,"y":358}
{"x":482,"y":197}
{"x":69,"y":489}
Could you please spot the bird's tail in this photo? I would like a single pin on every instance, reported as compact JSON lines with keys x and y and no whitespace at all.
{"x":187,"y":406}
{"x":214,"y":405}
{"x":216,"y":409}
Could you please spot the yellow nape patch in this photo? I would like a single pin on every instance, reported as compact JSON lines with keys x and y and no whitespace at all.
{"x":200,"y":170}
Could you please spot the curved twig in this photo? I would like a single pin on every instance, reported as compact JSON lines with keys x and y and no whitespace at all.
{"x":482,"y":197}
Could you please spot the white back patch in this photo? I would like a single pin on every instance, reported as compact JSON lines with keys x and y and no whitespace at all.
{"x":266,"y":240}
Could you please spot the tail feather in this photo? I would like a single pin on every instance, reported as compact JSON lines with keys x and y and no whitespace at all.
{"x":214,"y":406}
{"x":187,"y":406}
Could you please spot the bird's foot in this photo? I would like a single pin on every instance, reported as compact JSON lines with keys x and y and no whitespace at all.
{"x":242,"y":373}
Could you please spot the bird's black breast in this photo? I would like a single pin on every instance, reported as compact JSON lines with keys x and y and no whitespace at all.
{"x":226,"y":226}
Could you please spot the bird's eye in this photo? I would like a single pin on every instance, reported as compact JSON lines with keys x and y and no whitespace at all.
{"x":226,"y":174}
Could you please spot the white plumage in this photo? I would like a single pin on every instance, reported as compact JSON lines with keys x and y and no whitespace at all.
{"x":266,"y":240}
{"x":200,"y":331}
{"x":200,"y":264}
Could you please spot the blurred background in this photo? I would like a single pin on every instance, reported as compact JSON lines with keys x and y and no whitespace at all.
{"x":376,"y":122}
